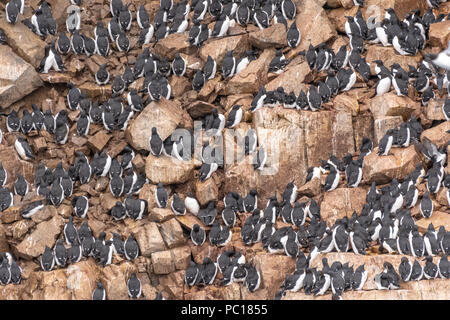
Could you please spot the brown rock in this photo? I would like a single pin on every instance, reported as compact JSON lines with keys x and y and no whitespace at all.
{"x":149,"y":239}
{"x":313,"y":23}
{"x":273,"y":36}
{"x":10,"y":215}
{"x":94,"y":91}
{"x":168,"y":170}
{"x":165,"y":115}
{"x":310,"y":189}
{"x":390,"y":104}
{"x":17,"y":77}
{"x":162,"y":262}
{"x":38,"y":144}
{"x":206,"y":191}
{"x":341,"y":202}
{"x":177,"y":42}
{"x":347,"y":103}
{"x":44,"y":235}
{"x":98,"y":141}
{"x":438,"y":134}
{"x":269,"y":267}
{"x":44,"y":214}
{"x":253,"y":76}
{"x":438,"y":219}
{"x":217,"y":48}
{"x":382,"y":169}
{"x":181,"y":257}
{"x":382,"y":125}
{"x":173,"y":284}
{"x":107,"y":200}
{"x":20,"y":228}
{"x":291,"y":77}
{"x":14,"y":166}
{"x":188,"y":221}
{"x":115,"y":279}
{"x":440,"y":34}
{"x":172,"y":233}
{"x":389,"y":56}
{"x":308,"y":134}
{"x":23,"y":41}
{"x":433,"y":110}
{"x":401,"y":7}
{"x":160,"y":214}
{"x":363,"y":126}
{"x":199,"y":109}
{"x":81,"y":279}
{"x":54,"y":285}
{"x":179,"y":85}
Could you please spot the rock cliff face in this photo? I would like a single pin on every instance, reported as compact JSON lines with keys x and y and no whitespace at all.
{"x":294,"y":140}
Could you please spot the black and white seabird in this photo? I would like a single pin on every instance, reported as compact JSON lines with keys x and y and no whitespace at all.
{"x":20,"y":186}
{"x":118,"y":211}
{"x":293,"y":34}
{"x":191,"y":204}
{"x":131,"y":248}
{"x":155,"y":142}
{"x":47,"y":259}
{"x":134,"y":287}
{"x":23,"y":149}
{"x":80,"y":205}
{"x":161,"y":196}
{"x":198,"y":235}
{"x":60,"y":253}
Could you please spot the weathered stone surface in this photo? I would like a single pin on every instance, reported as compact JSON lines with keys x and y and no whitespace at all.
{"x":165,"y":115}
{"x":168,"y":170}
{"x":81,"y":279}
{"x":292,"y":139}
{"x":269,"y":266}
{"x":347,"y":103}
{"x":313,"y":23}
{"x":17,"y":77}
{"x":94,"y":91}
{"x":172,"y":233}
{"x":115,"y":280}
{"x":274,"y":36}
{"x":181,"y":257}
{"x":199,"y":109}
{"x":389,"y":104}
{"x":162,"y":262}
{"x":382,"y":169}
{"x":177,"y":42}
{"x":440,"y":34}
{"x":310,"y":189}
{"x":23,"y":41}
{"x":149,"y":239}
{"x":217,"y":48}
{"x":160,"y":214}
{"x":54,"y":285}
{"x":341,"y":202}
{"x":253,"y":76}
{"x":98,"y":141}
{"x":438,"y":134}
{"x":433,"y":110}
{"x":291,"y":77}
{"x":206,"y":191}
{"x":179,"y":85}
{"x":401,"y":7}
{"x":382,"y":125}
{"x":44,"y":235}
{"x":438,"y":219}
{"x":389,"y":56}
